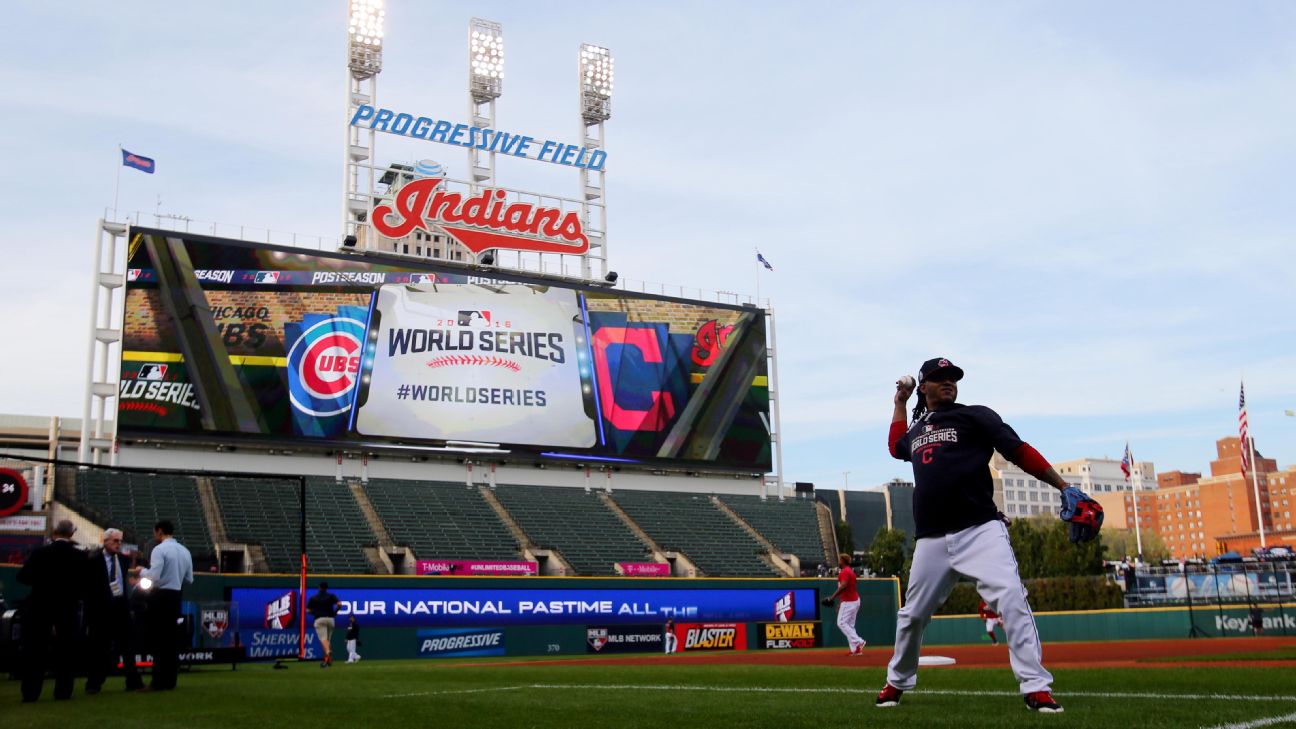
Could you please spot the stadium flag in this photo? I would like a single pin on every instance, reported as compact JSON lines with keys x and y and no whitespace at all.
{"x":139,"y":162}
{"x":764,"y":262}
{"x":1127,"y":468}
{"x":1246,"y":447}
{"x":1242,"y":429}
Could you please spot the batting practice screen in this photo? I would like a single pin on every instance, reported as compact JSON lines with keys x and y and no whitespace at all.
{"x":226,"y":340}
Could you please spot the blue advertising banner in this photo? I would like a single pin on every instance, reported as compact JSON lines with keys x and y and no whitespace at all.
{"x":279,"y":644}
{"x":417,"y":608}
{"x":460,"y":643}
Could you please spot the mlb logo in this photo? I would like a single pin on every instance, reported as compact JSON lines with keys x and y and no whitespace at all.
{"x":151,"y":371}
{"x":215,"y":622}
{"x":133,"y":274}
{"x":785,"y":607}
{"x":481,"y":318}
{"x":422,"y":278}
{"x":928,"y":428}
{"x":267,"y":277}
{"x":597,"y":638}
{"x":279,"y":612}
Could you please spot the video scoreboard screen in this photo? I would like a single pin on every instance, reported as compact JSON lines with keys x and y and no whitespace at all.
{"x":233,"y":340}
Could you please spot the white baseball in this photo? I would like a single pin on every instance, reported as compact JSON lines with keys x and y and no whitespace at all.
{"x":908,"y":382}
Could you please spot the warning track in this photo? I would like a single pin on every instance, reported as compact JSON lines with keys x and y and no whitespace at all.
{"x":1130,"y":654}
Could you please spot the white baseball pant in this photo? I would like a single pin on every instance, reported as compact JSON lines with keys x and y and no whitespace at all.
{"x":352,"y":656}
{"x":984,"y":554}
{"x":846,"y":622}
{"x":671,"y":642}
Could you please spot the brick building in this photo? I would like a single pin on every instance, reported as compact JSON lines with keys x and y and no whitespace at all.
{"x":1202,"y":517}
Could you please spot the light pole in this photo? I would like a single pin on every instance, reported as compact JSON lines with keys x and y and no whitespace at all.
{"x":364,"y":62}
{"x":485,"y":85}
{"x":596,"y":67}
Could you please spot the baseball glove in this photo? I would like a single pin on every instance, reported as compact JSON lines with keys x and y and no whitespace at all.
{"x":827,"y":601}
{"x":1083,"y":514}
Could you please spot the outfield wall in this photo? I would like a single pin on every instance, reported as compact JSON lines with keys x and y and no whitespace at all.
{"x":436,"y":616}
{"x":1125,"y":624}
{"x":640,"y":629}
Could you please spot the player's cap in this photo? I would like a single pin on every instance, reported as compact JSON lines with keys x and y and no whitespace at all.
{"x":939,"y":364}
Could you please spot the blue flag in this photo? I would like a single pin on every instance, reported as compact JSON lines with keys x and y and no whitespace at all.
{"x":143,"y":164}
{"x":764,"y":262}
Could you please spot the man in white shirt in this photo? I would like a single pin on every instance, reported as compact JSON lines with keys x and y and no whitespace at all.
{"x":170,"y":569}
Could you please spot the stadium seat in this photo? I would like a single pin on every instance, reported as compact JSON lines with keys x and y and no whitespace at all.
{"x":691,"y":524}
{"x":791,"y":525}
{"x":439,"y":520}
{"x":576,"y":523}
{"x":267,"y":512}
{"x":134,"y":502}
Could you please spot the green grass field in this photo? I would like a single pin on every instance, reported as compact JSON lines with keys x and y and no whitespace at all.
{"x":392,"y":694}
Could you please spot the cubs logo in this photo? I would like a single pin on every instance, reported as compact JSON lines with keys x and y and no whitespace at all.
{"x":785,"y":607}
{"x":324,"y":364}
{"x":215,"y":621}
{"x":597,"y":638}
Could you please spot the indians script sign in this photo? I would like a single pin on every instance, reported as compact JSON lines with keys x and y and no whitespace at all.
{"x":482,"y":221}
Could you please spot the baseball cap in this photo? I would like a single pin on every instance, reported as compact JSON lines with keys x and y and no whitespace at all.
{"x":939,"y":364}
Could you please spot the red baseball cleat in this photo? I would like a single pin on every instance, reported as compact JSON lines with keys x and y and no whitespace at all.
{"x":1042,"y":701}
{"x":890,"y":696}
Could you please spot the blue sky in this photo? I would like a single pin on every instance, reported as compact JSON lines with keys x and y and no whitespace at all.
{"x":1088,"y":206}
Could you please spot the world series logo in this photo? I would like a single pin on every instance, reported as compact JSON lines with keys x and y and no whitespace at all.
{"x":324,"y":365}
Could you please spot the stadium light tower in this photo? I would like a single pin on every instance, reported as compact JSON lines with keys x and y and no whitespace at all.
{"x":485,"y":85}
{"x":595,"y":66}
{"x":364,"y":62}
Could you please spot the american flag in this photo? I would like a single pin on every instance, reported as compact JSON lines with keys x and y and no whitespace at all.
{"x":1127,"y":462}
{"x":1242,"y":429}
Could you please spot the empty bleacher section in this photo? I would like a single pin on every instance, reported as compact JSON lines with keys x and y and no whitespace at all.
{"x":134,"y":502}
{"x":791,"y":525}
{"x":576,"y":523}
{"x":267,"y":512}
{"x":691,"y":524}
{"x":441,"y":520}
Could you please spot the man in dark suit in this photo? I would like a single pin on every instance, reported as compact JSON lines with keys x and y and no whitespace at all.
{"x":108,"y":615}
{"x":51,"y":613}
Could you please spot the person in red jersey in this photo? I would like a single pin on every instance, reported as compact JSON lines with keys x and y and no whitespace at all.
{"x":850,"y":604}
{"x":991,"y":619}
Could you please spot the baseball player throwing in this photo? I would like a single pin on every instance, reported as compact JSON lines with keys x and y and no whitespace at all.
{"x":958,"y":529}
{"x":850,"y":605}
